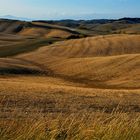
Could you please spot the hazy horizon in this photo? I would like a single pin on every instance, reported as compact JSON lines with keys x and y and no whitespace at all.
{"x":74,"y":9}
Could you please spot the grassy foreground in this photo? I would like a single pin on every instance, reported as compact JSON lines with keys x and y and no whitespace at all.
{"x":46,"y":108}
{"x":94,"y":126}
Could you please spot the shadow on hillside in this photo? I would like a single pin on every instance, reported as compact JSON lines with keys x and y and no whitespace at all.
{"x":19,"y":71}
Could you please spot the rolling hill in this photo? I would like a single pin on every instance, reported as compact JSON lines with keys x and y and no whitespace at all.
{"x":20,"y":37}
{"x":99,"y":26}
{"x":105,"y":61}
{"x":31,"y":28}
{"x":87,"y":60}
{"x":70,"y":79}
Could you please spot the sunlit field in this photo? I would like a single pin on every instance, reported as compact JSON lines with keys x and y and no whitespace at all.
{"x":69,"y":82}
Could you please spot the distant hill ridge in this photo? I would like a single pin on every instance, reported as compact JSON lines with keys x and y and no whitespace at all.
{"x":74,"y":23}
{"x":76,"y":27}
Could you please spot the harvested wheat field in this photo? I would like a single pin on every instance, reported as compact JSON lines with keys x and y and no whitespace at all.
{"x":103,"y":62}
{"x":68,"y":89}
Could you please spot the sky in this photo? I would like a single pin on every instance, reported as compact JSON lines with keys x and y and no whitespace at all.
{"x":70,"y":9}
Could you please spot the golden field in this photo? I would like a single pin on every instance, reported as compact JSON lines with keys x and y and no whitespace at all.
{"x":68,"y":89}
{"x":34,"y":107}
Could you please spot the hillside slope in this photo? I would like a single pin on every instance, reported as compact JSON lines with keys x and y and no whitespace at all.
{"x":34,"y":29}
{"x":93,"y":46}
{"x":18,"y":37}
{"x":106,"y":61}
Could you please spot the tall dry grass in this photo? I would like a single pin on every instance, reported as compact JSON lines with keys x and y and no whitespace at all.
{"x":85,"y":126}
{"x":45,"y":108}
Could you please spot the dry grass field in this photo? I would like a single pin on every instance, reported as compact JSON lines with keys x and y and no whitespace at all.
{"x":103,"y":62}
{"x":68,"y":89}
{"x":38,"y":107}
